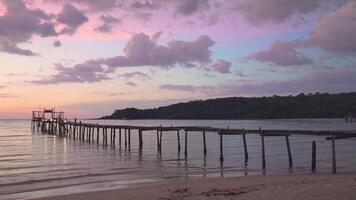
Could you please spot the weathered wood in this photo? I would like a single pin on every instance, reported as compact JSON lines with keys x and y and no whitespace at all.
{"x":263,"y":149}
{"x":186,"y":144}
{"x":178,"y":138}
{"x":160,"y":141}
{"x":333,"y":154}
{"x":313,"y":156}
{"x":221,"y":148}
{"x":120,"y":137}
{"x":158,"y":145}
{"x":245,"y":147}
{"x":204,"y":142}
{"x":129,"y":138}
{"x":290,"y":159}
{"x":125,"y":138}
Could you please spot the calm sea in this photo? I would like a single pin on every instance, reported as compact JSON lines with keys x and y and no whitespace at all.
{"x":36,"y":165}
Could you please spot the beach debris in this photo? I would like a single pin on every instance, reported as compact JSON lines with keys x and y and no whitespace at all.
{"x":224,"y":192}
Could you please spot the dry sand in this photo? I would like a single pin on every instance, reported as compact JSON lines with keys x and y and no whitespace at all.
{"x":298,"y":187}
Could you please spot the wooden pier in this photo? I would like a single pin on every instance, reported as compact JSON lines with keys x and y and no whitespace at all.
{"x":92,"y":132}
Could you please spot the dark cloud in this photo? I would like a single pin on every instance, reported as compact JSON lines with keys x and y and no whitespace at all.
{"x":221,"y":66}
{"x":19,"y":24}
{"x":281,"y":53}
{"x":275,"y":11}
{"x":72,"y":18}
{"x":145,"y":4}
{"x":107,"y":22}
{"x":57,"y":43}
{"x":189,"y":7}
{"x":94,"y":5}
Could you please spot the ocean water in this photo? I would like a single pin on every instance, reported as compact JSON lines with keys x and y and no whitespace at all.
{"x":33,"y":164}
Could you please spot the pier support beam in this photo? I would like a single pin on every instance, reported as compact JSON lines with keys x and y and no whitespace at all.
{"x":313,"y":165}
{"x":221,"y":148}
{"x":178,"y":138}
{"x":290,"y":159}
{"x":263,"y":149}
{"x":245,"y":147}
{"x":186,"y":144}
{"x":333,"y":154}
{"x":204,"y":142}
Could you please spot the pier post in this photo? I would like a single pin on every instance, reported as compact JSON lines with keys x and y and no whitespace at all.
{"x":221,"y":148}
{"x":158,"y":145}
{"x":80,"y":130}
{"x":290,"y":159}
{"x":120,"y":138}
{"x":204,"y":141}
{"x":245,"y":147}
{"x":140,"y":139}
{"x":114,"y":137}
{"x":178,"y":138}
{"x":160,"y":141}
{"x":129,"y":138}
{"x":186,"y":144}
{"x":103,"y":130}
{"x":125,"y":138}
{"x":333,"y":154}
{"x":313,"y":166}
{"x":97,"y":133}
{"x":74,"y":128}
{"x":263,"y":149}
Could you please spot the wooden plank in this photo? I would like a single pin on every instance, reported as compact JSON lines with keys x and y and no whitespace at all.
{"x":333,"y":154}
{"x":290,"y":159}
{"x":313,"y":156}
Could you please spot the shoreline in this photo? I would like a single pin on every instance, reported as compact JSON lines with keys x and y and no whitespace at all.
{"x":314,"y":186}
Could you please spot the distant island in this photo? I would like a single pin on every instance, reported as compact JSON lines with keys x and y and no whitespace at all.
{"x":315,"y":105}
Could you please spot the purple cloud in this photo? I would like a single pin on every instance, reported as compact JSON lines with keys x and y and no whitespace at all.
{"x":275,"y":11}
{"x":137,"y":74}
{"x":141,"y":50}
{"x":72,"y":18}
{"x":87,"y":72}
{"x":107,"y":22}
{"x":221,"y":66}
{"x":335,"y":32}
{"x":19,"y":24}
{"x":281,"y":53}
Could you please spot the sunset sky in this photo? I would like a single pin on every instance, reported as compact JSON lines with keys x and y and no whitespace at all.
{"x":89,"y":57}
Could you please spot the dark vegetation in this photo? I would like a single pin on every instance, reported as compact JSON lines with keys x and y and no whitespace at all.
{"x":300,"y":106}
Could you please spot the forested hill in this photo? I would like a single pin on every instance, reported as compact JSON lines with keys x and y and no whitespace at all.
{"x":300,"y":106}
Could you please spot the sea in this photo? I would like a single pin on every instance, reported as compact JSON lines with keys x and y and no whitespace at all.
{"x":33,"y":164}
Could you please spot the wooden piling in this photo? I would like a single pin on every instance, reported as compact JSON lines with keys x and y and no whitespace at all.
{"x":178,"y":138}
{"x":186,"y":144}
{"x":158,"y":145}
{"x":97,"y":133}
{"x":333,"y":154}
{"x":125,"y":138}
{"x":313,"y":156}
{"x":160,"y":141}
{"x":114,"y":137}
{"x":120,"y":137}
{"x":129,"y":138}
{"x":290,"y":159}
{"x":204,"y":142}
{"x":221,"y":148}
{"x":263,"y":149}
{"x":245,"y":147}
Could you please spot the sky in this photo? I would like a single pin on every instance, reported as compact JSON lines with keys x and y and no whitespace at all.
{"x":88,"y":58}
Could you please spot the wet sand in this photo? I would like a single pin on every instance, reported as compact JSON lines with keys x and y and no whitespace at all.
{"x":323,"y":187}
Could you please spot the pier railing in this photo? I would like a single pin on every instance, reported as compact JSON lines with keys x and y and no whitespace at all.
{"x":96,"y":132}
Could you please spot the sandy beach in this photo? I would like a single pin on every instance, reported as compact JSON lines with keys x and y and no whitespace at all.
{"x":323,"y":187}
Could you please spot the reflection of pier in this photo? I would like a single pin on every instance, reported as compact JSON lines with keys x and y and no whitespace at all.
{"x":100,"y":134}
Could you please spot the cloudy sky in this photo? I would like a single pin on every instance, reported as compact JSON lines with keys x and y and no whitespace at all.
{"x":89,"y":57}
